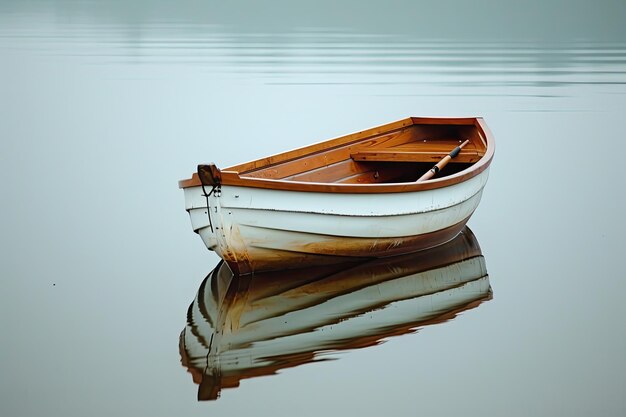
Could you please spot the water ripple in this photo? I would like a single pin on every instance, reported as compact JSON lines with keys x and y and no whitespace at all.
{"x":321,"y":56}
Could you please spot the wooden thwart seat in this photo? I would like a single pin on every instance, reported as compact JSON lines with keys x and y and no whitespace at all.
{"x":404,"y":156}
{"x":431,"y":151}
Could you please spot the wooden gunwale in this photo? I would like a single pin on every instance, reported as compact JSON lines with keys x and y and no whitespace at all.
{"x":233,"y":175}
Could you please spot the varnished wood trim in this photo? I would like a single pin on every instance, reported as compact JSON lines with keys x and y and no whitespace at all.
{"x":231,"y":175}
{"x":232,"y":178}
{"x":329,"y":156}
{"x":321,"y":146}
{"x":379,"y":175}
{"x":347,"y":170}
{"x":443,"y":120}
{"x":331,"y":172}
{"x":411,"y":156}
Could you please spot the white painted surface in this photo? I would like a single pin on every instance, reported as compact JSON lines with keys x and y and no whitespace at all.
{"x":239,"y":219}
{"x":380,"y":204}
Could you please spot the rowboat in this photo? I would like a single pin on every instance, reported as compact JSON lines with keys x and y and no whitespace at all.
{"x":358,"y":195}
{"x":241,"y":327}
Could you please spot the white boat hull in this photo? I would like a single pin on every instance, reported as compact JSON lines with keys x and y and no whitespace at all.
{"x":255,"y":229}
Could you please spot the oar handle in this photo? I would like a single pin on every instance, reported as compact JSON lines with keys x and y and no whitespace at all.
{"x":457,"y":150}
{"x":444,"y":161}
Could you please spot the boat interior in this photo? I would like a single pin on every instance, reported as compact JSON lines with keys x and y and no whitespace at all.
{"x":388,"y":156}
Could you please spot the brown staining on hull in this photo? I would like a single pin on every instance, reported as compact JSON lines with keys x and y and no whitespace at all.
{"x":382,"y":247}
{"x":334,"y":250}
{"x":235,"y":252}
{"x":237,"y":264}
{"x":274,"y":259}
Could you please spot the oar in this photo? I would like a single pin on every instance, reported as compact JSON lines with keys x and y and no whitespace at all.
{"x":434,"y":170}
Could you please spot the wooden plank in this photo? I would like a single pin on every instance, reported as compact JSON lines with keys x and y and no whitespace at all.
{"x":425,"y":150}
{"x":474,"y":129}
{"x":435,"y":140}
{"x":233,"y":178}
{"x":443,"y":144}
{"x":330,"y":156}
{"x":321,"y":146}
{"x":351,"y":172}
{"x":411,"y":156}
{"x":444,"y":120}
{"x":426,"y":124}
{"x":330,"y":173}
{"x":394,"y":173}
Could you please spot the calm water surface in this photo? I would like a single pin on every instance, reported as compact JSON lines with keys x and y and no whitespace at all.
{"x":104,"y":106}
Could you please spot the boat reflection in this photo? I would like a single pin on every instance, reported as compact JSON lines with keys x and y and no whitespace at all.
{"x":246,"y":326}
